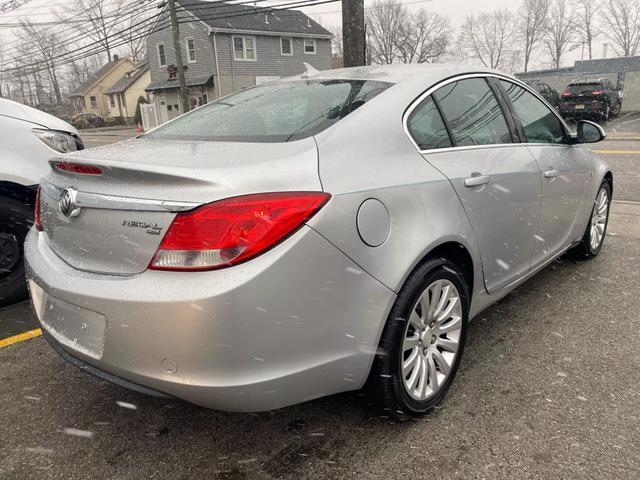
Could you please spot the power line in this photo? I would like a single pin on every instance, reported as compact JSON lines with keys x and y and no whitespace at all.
{"x":22,"y":70}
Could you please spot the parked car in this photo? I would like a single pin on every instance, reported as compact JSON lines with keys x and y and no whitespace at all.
{"x":30,"y":137}
{"x":91,"y":119}
{"x":596,"y":100}
{"x":546,"y":91}
{"x":299,"y":238}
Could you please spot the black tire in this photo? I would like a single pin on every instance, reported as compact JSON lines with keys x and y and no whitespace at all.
{"x":615,"y":111}
{"x":16,"y":219}
{"x":584,"y":249}
{"x":386,"y":374}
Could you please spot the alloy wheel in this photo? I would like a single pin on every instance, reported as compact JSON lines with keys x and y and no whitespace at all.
{"x":599,"y":219}
{"x":431,"y":340}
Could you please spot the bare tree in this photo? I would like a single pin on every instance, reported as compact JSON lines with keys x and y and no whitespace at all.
{"x":533,"y":17}
{"x":425,"y":38}
{"x":586,"y":26}
{"x":385,"y":20}
{"x":561,"y":34}
{"x":491,"y":38}
{"x":336,"y":41}
{"x":129,"y":32}
{"x":622,"y":19}
{"x":43,"y":42}
{"x":98,"y":20}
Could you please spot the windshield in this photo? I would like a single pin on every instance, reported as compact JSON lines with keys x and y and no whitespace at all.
{"x":279,"y":112}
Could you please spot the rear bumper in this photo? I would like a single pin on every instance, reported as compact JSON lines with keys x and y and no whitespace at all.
{"x":300,"y":322}
{"x":588,"y":110}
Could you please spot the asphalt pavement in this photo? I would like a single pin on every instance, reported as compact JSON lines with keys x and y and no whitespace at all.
{"x":548,"y":388}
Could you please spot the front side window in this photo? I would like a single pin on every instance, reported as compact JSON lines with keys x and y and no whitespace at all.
{"x":285,"y":46}
{"x":277,"y":112}
{"x":473,"y":113}
{"x":309,"y":46}
{"x":94,"y":101}
{"x":427,"y":128}
{"x":540,"y":124}
{"x":244,"y":48}
{"x":191,"y":50}
{"x":162,"y":57}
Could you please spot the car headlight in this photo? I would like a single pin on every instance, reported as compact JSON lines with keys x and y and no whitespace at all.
{"x":60,"y":141}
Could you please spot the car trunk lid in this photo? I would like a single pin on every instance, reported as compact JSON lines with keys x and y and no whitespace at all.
{"x":122,"y":214}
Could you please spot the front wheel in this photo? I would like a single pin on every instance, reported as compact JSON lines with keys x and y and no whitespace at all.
{"x":423,"y":340}
{"x":596,"y":231}
{"x":15,"y":220}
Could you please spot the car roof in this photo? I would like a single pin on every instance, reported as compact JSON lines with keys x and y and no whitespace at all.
{"x":397,"y":73}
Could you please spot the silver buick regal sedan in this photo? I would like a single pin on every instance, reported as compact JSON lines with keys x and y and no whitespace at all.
{"x":311,"y":236}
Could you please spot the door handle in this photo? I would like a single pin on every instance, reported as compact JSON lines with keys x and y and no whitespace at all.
{"x":476,"y":180}
{"x":551,"y":173}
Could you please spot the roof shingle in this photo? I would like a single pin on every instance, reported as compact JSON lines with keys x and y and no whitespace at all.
{"x":231,"y":16}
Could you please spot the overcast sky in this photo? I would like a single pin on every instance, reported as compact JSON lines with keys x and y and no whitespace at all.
{"x":329,"y":15}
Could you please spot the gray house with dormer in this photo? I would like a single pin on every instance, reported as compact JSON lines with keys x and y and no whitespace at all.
{"x":227,"y":47}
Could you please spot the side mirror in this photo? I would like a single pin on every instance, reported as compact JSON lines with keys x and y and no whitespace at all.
{"x":589,"y":132}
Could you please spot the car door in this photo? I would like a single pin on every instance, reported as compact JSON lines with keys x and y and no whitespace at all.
{"x":565,"y":171}
{"x":462,"y":131}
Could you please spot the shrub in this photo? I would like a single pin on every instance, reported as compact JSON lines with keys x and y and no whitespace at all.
{"x":137,"y":118}
{"x":81,"y":123}
{"x":110,"y":121}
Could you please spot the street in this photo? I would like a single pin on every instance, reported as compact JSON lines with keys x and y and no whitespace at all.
{"x":548,"y":388}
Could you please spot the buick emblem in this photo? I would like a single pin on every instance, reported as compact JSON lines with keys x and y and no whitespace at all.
{"x":68,"y":204}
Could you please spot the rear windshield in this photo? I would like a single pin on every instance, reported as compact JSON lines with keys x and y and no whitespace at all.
{"x":279,"y":112}
{"x":578,"y":88}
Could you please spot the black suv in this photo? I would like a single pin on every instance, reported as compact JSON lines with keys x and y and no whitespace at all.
{"x":549,"y":94}
{"x":593,"y":99}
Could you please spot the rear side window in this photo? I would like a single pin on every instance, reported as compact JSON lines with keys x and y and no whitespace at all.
{"x":539,"y":123}
{"x":472,"y":113}
{"x":427,"y":128}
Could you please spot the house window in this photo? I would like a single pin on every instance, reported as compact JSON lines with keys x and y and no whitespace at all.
{"x":285,"y":46}
{"x":162,"y":57}
{"x":244,"y":48}
{"x":309,"y":46}
{"x":94,"y":101}
{"x":112,"y":101}
{"x":191,"y":49}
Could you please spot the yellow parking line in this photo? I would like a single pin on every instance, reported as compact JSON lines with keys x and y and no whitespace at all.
{"x":618,"y":152}
{"x":5,"y":342}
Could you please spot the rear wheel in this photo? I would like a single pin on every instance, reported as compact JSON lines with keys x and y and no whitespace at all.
{"x":423,"y":340}
{"x":15,"y":220}
{"x":615,"y":111}
{"x":596,"y":231}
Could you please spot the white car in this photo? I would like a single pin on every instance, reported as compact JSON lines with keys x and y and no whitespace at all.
{"x":29,"y":138}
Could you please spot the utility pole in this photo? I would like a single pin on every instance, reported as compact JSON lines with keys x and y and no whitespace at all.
{"x":184,"y":93}
{"x":353,"y":32}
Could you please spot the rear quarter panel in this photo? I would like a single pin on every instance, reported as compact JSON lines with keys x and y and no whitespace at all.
{"x":369,"y":155}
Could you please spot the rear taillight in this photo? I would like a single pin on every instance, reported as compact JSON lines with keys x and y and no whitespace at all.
{"x":231,"y":231}
{"x":598,"y":92}
{"x":37,"y":213}
{"x":566,"y":93}
{"x":78,"y":168}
